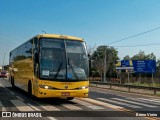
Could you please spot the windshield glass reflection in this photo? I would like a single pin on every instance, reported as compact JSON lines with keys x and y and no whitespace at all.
{"x":63,"y":60}
{"x":77,"y":60}
{"x":52,"y":59}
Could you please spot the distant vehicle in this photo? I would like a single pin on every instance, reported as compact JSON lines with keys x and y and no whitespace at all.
{"x":50,"y":65}
{"x":3,"y":75}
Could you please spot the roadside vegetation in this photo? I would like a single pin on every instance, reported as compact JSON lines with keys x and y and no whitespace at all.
{"x":96,"y":63}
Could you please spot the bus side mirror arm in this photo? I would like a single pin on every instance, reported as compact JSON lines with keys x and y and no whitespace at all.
{"x":36,"y":58}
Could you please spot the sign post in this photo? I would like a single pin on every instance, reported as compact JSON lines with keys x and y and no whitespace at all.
{"x":125,"y":65}
{"x":152,"y":80}
{"x":128,"y":77}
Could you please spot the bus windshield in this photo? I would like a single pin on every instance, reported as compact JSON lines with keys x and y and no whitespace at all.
{"x":63,"y":60}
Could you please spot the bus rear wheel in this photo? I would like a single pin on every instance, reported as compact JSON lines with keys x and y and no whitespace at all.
{"x":30,"y":89}
{"x":12,"y":82}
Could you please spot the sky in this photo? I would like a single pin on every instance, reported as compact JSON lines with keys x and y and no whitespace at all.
{"x":98,"y":22}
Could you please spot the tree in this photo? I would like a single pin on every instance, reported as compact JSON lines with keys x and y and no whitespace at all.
{"x":90,"y":51}
{"x":127,"y":57}
{"x":158,"y":68}
{"x":141,"y":56}
{"x":98,"y":57}
{"x":151,"y":56}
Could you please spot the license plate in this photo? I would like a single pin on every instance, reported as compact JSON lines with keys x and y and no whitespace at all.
{"x":65,"y":93}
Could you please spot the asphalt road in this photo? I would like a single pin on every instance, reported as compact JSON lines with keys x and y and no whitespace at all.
{"x":102,"y":104}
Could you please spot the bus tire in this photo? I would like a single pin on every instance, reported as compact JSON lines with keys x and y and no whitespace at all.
{"x":12,"y":82}
{"x":70,"y":98}
{"x":10,"y":79}
{"x":30,"y":89}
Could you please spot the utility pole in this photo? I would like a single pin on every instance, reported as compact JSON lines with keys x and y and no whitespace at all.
{"x":104,"y":79}
{"x":3,"y":62}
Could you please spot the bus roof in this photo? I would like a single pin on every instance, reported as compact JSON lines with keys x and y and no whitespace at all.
{"x":58,"y":36}
{"x":53,"y":36}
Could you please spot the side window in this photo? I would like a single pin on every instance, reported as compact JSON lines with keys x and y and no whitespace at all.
{"x":29,"y":48}
{"x":35,"y":42}
{"x":15,"y":55}
{"x":36,"y":57}
{"x":11,"y":57}
{"x":20,"y":53}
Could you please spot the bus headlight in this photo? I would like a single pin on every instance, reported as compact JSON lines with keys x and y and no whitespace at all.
{"x":45,"y":87}
{"x":83,"y":87}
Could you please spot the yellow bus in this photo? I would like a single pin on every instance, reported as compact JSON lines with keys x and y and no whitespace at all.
{"x":51,"y":65}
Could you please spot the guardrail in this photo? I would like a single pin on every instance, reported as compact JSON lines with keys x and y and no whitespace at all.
{"x":129,"y":88}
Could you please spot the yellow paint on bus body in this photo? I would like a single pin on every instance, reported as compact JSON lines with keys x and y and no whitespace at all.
{"x":22,"y":71}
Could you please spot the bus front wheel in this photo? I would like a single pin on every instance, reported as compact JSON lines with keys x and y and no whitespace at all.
{"x":70,"y":98}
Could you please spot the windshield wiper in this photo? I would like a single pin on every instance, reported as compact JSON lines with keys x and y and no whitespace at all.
{"x":74,"y":72}
{"x":58,"y":70}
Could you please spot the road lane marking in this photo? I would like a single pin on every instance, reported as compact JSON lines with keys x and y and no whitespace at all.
{"x":71,"y":107}
{"x":48,"y":107}
{"x":120,"y":103}
{"x":8,"y":90}
{"x":101,"y":103}
{"x":86,"y":104}
{"x":51,"y":118}
{"x":12,"y":93}
{"x":144,"y":101}
{"x":150,"y":100}
{"x":1,"y":106}
{"x":142,"y":104}
{"x":113,"y":107}
{"x":123,"y":92}
{"x":20,"y":98}
{"x":20,"y":105}
{"x":157,"y":99}
{"x":32,"y":106}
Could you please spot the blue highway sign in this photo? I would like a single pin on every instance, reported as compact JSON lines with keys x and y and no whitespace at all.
{"x":144,"y":66}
